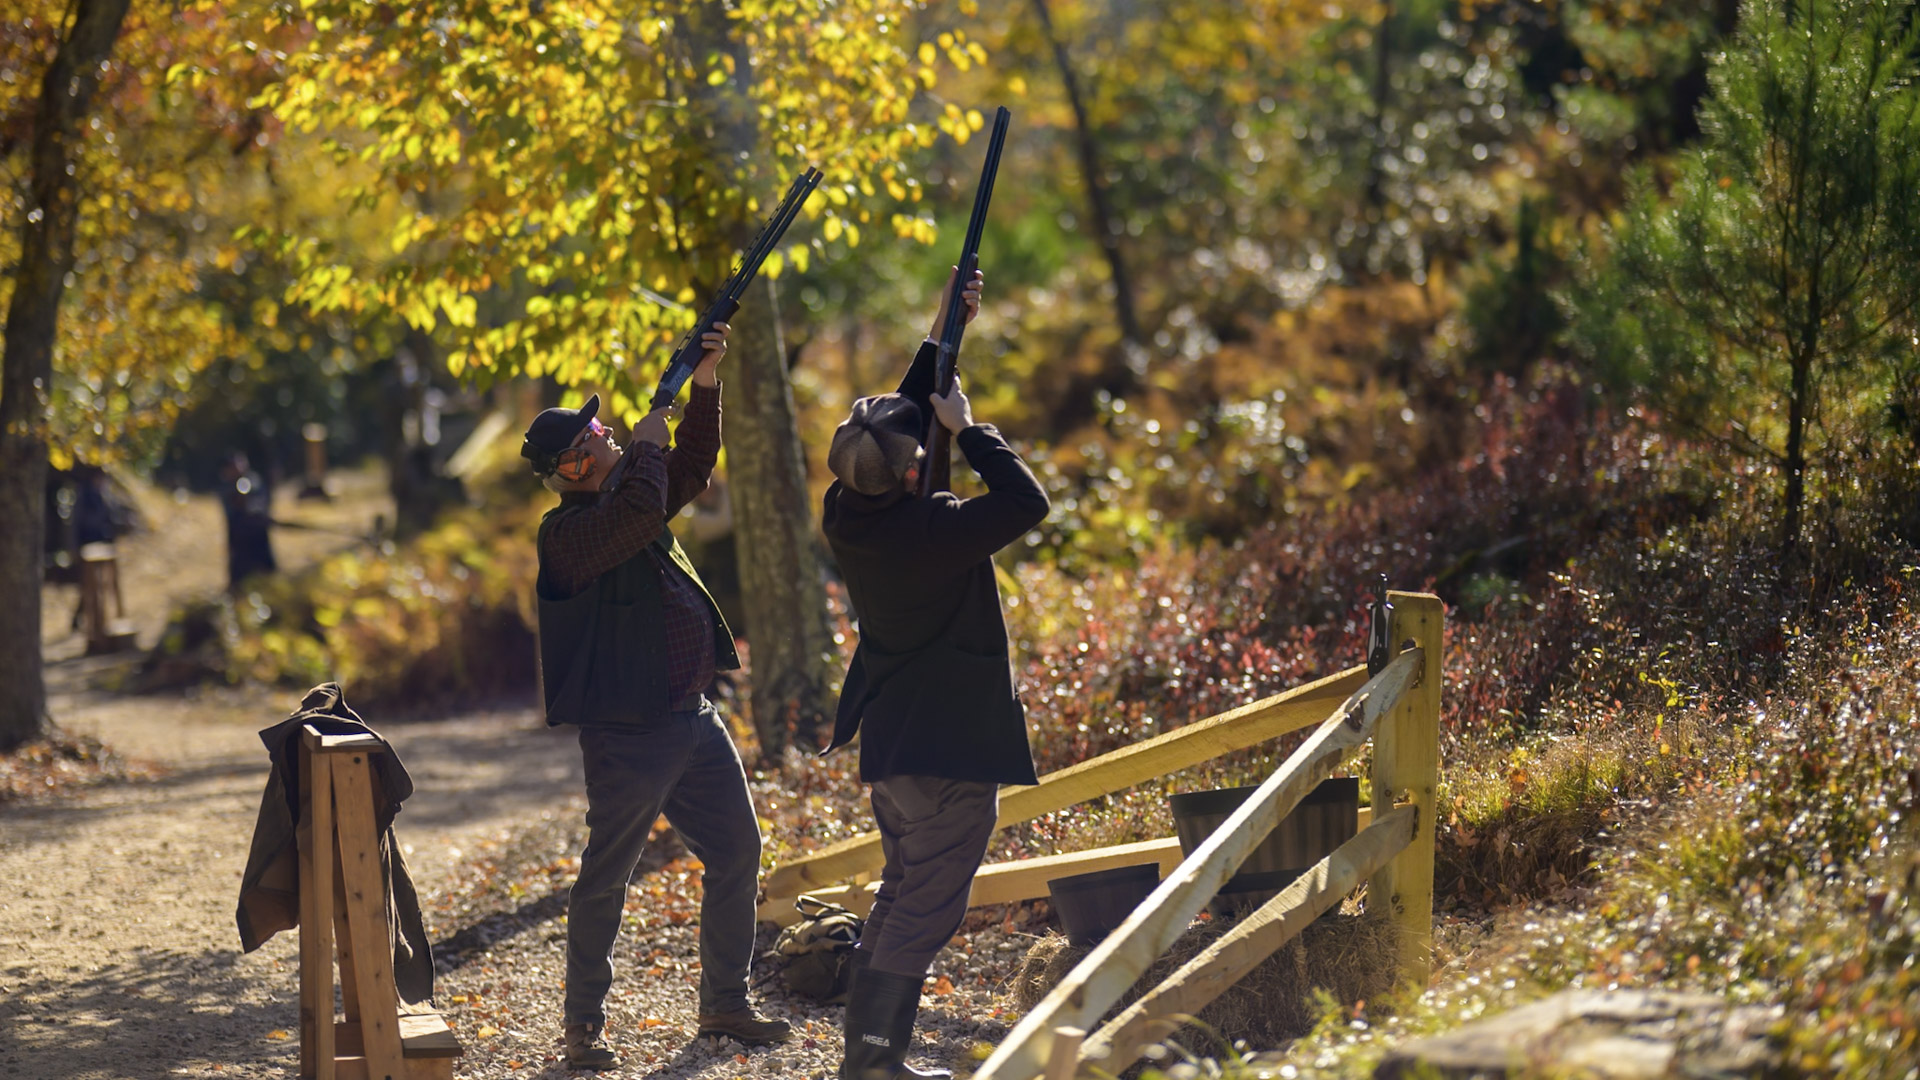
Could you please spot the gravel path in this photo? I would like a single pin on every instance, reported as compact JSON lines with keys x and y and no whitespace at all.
{"x":119,"y":956}
{"x":118,"y":951}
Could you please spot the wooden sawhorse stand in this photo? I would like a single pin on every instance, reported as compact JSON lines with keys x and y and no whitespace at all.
{"x":99,"y":583}
{"x":343,"y":897}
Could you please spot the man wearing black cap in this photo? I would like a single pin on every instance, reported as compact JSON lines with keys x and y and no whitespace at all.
{"x":629,"y":640}
{"x":930,"y":688}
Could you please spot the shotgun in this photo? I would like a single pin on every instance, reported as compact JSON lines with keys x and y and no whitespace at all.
{"x":686,"y":355}
{"x":937,"y":476}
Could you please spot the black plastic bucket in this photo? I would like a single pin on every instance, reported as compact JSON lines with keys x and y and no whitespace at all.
{"x":1328,"y":817}
{"x":1093,"y":905}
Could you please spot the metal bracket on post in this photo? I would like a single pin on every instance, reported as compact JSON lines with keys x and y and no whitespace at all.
{"x":1379,"y":638}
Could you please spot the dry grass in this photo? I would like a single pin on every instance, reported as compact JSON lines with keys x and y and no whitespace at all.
{"x":1349,"y":956}
{"x":1527,"y":824}
{"x":61,"y":762}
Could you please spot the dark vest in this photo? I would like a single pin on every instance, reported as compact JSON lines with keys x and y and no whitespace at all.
{"x":603,"y":650}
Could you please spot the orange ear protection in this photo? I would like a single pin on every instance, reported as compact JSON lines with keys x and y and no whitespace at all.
{"x":575,"y":463}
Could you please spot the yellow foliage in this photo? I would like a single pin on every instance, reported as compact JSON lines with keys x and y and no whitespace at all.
{"x":581,"y":125}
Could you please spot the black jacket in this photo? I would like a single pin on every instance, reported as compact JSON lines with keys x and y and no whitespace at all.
{"x":270,"y":885}
{"x":930,"y":689}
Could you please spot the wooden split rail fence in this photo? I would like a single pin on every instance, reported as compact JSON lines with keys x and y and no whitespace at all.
{"x":1398,"y":708}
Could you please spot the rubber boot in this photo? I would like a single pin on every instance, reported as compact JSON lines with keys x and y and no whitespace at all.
{"x":881,"y":1007}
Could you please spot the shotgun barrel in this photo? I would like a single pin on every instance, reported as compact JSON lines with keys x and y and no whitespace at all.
{"x":937,"y":475}
{"x":686,"y":355}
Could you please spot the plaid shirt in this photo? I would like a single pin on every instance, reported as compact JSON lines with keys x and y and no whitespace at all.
{"x":614,"y":526}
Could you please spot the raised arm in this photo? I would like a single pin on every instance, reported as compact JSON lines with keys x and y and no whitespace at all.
{"x":962,"y":532}
{"x":594,"y":536}
{"x":918,"y":384}
{"x":696,"y":448}
{"x":696,"y":445}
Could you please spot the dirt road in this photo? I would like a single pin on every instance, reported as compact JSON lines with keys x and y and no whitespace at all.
{"x":119,"y":957}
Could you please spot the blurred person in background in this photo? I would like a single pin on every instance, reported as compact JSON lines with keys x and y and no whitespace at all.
{"x":247,"y":501}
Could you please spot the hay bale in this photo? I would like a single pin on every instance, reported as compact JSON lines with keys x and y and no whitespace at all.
{"x":1351,"y":956}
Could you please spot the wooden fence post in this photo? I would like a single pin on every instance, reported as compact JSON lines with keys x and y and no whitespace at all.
{"x":1406,"y":768}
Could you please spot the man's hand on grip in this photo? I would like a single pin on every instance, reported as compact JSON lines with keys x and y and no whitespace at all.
{"x":652,"y":427}
{"x":954,"y":410}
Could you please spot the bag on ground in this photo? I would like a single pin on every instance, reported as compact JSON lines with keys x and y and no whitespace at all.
{"x":817,"y":952}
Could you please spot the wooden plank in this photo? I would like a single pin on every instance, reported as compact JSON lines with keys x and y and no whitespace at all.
{"x":349,"y":744}
{"x":1252,"y":940}
{"x":1181,"y":748}
{"x":426,"y":1035}
{"x":349,"y":979}
{"x":1009,"y":882}
{"x":1001,"y":883}
{"x":315,"y":836}
{"x":1113,"y":965}
{"x":441,"y":1068}
{"x":1066,"y":1053}
{"x":366,"y":904}
{"x":1406,"y":765}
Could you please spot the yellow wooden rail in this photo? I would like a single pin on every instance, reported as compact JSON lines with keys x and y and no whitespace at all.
{"x":1402,"y":703}
{"x":1255,"y":937}
{"x":1198,"y":742}
{"x":1007,"y":882}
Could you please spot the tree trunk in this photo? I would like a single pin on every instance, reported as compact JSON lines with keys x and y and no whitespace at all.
{"x":1382,"y":87}
{"x":782,"y":574}
{"x":1098,"y":206}
{"x":782,"y":581}
{"x":1796,"y":464}
{"x":26,"y":370}
{"x":420,"y":488}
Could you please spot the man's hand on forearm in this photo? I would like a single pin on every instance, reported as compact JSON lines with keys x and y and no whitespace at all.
{"x":714,"y":347}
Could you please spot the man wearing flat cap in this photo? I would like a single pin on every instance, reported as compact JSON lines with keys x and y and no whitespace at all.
{"x":629,"y":641}
{"x":930,"y":688}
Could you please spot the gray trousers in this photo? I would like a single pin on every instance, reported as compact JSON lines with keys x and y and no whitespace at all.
{"x":934,"y":833}
{"x":688,"y":769}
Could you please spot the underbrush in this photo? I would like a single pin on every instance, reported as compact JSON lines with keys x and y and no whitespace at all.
{"x":441,"y":622}
{"x":1614,"y":600}
{"x":1788,"y":875}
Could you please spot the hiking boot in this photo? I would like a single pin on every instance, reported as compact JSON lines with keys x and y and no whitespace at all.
{"x":587,"y":1047}
{"x":746,"y":1026}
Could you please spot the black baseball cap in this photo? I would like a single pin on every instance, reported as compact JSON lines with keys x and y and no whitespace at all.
{"x":553,"y":431}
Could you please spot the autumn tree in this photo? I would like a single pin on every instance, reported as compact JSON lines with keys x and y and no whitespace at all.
{"x":1764,"y":300}
{"x":104,"y":159}
{"x":580,"y":174}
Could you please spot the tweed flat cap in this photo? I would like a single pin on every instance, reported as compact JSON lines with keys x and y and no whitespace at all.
{"x":876,"y":444}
